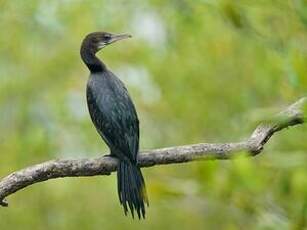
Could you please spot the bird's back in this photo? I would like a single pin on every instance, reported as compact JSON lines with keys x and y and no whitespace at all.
{"x":113,"y":113}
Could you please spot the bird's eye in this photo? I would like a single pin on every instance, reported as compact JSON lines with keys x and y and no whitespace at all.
{"x":107,"y":36}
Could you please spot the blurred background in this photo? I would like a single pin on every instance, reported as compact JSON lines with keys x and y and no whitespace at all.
{"x":197,"y":70}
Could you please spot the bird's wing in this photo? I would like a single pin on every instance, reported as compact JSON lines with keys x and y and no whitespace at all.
{"x":115,"y":118}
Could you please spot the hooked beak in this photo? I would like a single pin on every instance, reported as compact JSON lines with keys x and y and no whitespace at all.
{"x":118,"y":37}
{"x":113,"y":38}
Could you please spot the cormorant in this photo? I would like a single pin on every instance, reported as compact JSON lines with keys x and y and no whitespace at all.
{"x":114,"y":116}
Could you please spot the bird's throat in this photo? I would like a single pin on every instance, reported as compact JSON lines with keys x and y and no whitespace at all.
{"x":91,"y":60}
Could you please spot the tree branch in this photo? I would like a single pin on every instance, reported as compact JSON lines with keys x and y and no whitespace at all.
{"x":18,"y":180}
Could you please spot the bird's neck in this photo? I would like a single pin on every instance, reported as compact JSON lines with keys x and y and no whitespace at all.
{"x":91,"y":61}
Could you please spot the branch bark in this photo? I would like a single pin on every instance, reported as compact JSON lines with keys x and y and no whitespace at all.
{"x":293,"y":115}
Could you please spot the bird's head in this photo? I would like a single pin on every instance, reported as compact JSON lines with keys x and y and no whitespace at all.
{"x":97,"y":40}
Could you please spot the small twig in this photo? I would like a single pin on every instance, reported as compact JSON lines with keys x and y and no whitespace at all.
{"x":18,"y":180}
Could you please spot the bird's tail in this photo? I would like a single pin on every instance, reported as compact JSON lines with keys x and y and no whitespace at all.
{"x":131,"y":188}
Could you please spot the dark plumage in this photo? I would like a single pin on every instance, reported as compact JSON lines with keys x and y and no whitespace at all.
{"x":115,"y":118}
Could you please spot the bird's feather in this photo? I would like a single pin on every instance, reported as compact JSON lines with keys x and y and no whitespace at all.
{"x":113,"y":114}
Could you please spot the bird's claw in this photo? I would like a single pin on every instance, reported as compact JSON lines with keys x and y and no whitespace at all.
{"x":109,"y":155}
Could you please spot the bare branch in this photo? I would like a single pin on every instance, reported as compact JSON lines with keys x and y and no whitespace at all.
{"x":18,"y":180}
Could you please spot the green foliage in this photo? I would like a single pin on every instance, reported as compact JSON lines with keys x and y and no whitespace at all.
{"x":198,"y":71}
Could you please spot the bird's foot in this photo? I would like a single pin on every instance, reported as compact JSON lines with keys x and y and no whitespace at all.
{"x":109,"y":155}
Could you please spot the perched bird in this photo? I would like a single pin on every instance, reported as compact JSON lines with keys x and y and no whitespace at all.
{"x":114,"y":116}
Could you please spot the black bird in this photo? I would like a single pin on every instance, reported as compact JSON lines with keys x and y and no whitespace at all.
{"x":115,"y":118}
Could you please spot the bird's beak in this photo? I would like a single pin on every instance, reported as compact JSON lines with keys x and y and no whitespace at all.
{"x":118,"y":37}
